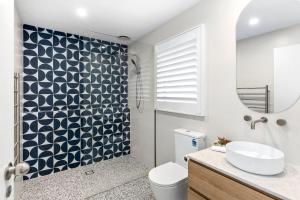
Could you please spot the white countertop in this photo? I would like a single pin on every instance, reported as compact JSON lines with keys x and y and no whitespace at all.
{"x":285,"y":185}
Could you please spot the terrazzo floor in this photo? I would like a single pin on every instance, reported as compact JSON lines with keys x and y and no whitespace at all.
{"x":117,"y":179}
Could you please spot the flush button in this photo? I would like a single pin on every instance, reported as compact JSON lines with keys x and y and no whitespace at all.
{"x":194,"y":143}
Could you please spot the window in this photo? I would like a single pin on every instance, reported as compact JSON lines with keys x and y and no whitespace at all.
{"x":180,"y":73}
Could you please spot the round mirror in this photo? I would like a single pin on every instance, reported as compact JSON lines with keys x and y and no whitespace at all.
{"x":268,"y":55}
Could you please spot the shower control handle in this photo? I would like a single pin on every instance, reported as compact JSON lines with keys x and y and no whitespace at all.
{"x":18,"y":170}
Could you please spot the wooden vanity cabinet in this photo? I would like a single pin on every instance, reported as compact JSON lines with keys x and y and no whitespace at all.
{"x":208,"y":184}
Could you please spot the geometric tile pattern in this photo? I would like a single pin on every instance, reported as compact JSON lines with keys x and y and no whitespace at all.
{"x":75,"y":101}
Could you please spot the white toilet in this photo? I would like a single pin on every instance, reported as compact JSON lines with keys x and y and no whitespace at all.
{"x":170,"y":180}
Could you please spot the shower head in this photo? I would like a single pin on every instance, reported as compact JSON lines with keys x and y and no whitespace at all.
{"x":133,"y":58}
{"x":135,"y":63}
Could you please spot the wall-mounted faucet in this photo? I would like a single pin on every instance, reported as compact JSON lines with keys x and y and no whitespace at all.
{"x":254,"y":122}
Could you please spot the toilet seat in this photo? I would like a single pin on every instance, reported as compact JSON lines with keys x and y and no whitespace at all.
{"x":168,"y":175}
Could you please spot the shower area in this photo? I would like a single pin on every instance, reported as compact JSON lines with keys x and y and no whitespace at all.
{"x":76,"y":118}
{"x":75,"y":106}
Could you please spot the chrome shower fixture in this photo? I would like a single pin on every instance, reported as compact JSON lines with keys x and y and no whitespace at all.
{"x":134,"y":59}
{"x":135,"y":63}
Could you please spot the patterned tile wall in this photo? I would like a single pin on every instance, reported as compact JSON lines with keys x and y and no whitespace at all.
{"x":75,"y":101}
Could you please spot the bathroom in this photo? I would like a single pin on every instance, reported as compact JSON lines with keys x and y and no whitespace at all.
{"x":84,"y":113}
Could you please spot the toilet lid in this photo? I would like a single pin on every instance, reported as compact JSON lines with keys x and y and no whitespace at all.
{"x":168,"y":174}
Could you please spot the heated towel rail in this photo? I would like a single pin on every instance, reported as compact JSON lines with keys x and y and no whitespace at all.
{"x":17,"y":111}
{"x":255,"y":98}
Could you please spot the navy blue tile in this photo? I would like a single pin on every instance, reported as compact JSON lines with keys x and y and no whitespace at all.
{"x":45,"y":138}
{"x":60,"y":162}
{"x":45,"y":163}
{"x":75,"y":101}
{"x":74,"y":145}
{"x":74,"y":159}
{"x":30,"y":153}
{"x":30,"y":140}
{"x":86,"y":159}
{"x":61,"y":146}
{"x":45,"y":150}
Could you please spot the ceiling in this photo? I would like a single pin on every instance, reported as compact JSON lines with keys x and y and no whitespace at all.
{"x":273,"y":15}
{"x":133,"y":18}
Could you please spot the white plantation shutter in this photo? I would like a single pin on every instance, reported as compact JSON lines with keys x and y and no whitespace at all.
{"x":180,"y":73}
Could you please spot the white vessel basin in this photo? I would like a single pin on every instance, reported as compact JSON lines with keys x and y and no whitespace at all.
{"x":255,"y":158}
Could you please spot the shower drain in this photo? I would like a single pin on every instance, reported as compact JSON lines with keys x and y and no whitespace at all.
{"x":90,"y":172}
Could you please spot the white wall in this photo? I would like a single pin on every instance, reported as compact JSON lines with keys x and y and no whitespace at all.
{"x":142,"y":124}
{"x":18,"y":68}
{"x":6,"y":89}
{"x":255,"y":57}
{"x":225,"y":111}
{"x":18,"y":42}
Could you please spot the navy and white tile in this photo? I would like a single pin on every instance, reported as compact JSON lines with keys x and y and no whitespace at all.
{"x":75,"y":101}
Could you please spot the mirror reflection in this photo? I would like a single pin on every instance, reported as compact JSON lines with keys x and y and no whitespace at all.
{"x":268,"y":55}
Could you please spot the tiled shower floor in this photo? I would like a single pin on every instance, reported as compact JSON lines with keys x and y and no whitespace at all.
{"x":117,"y":179}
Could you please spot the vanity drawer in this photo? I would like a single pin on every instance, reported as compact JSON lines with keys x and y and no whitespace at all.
{"x":192,"y":195}
{"x":216,"y":186}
